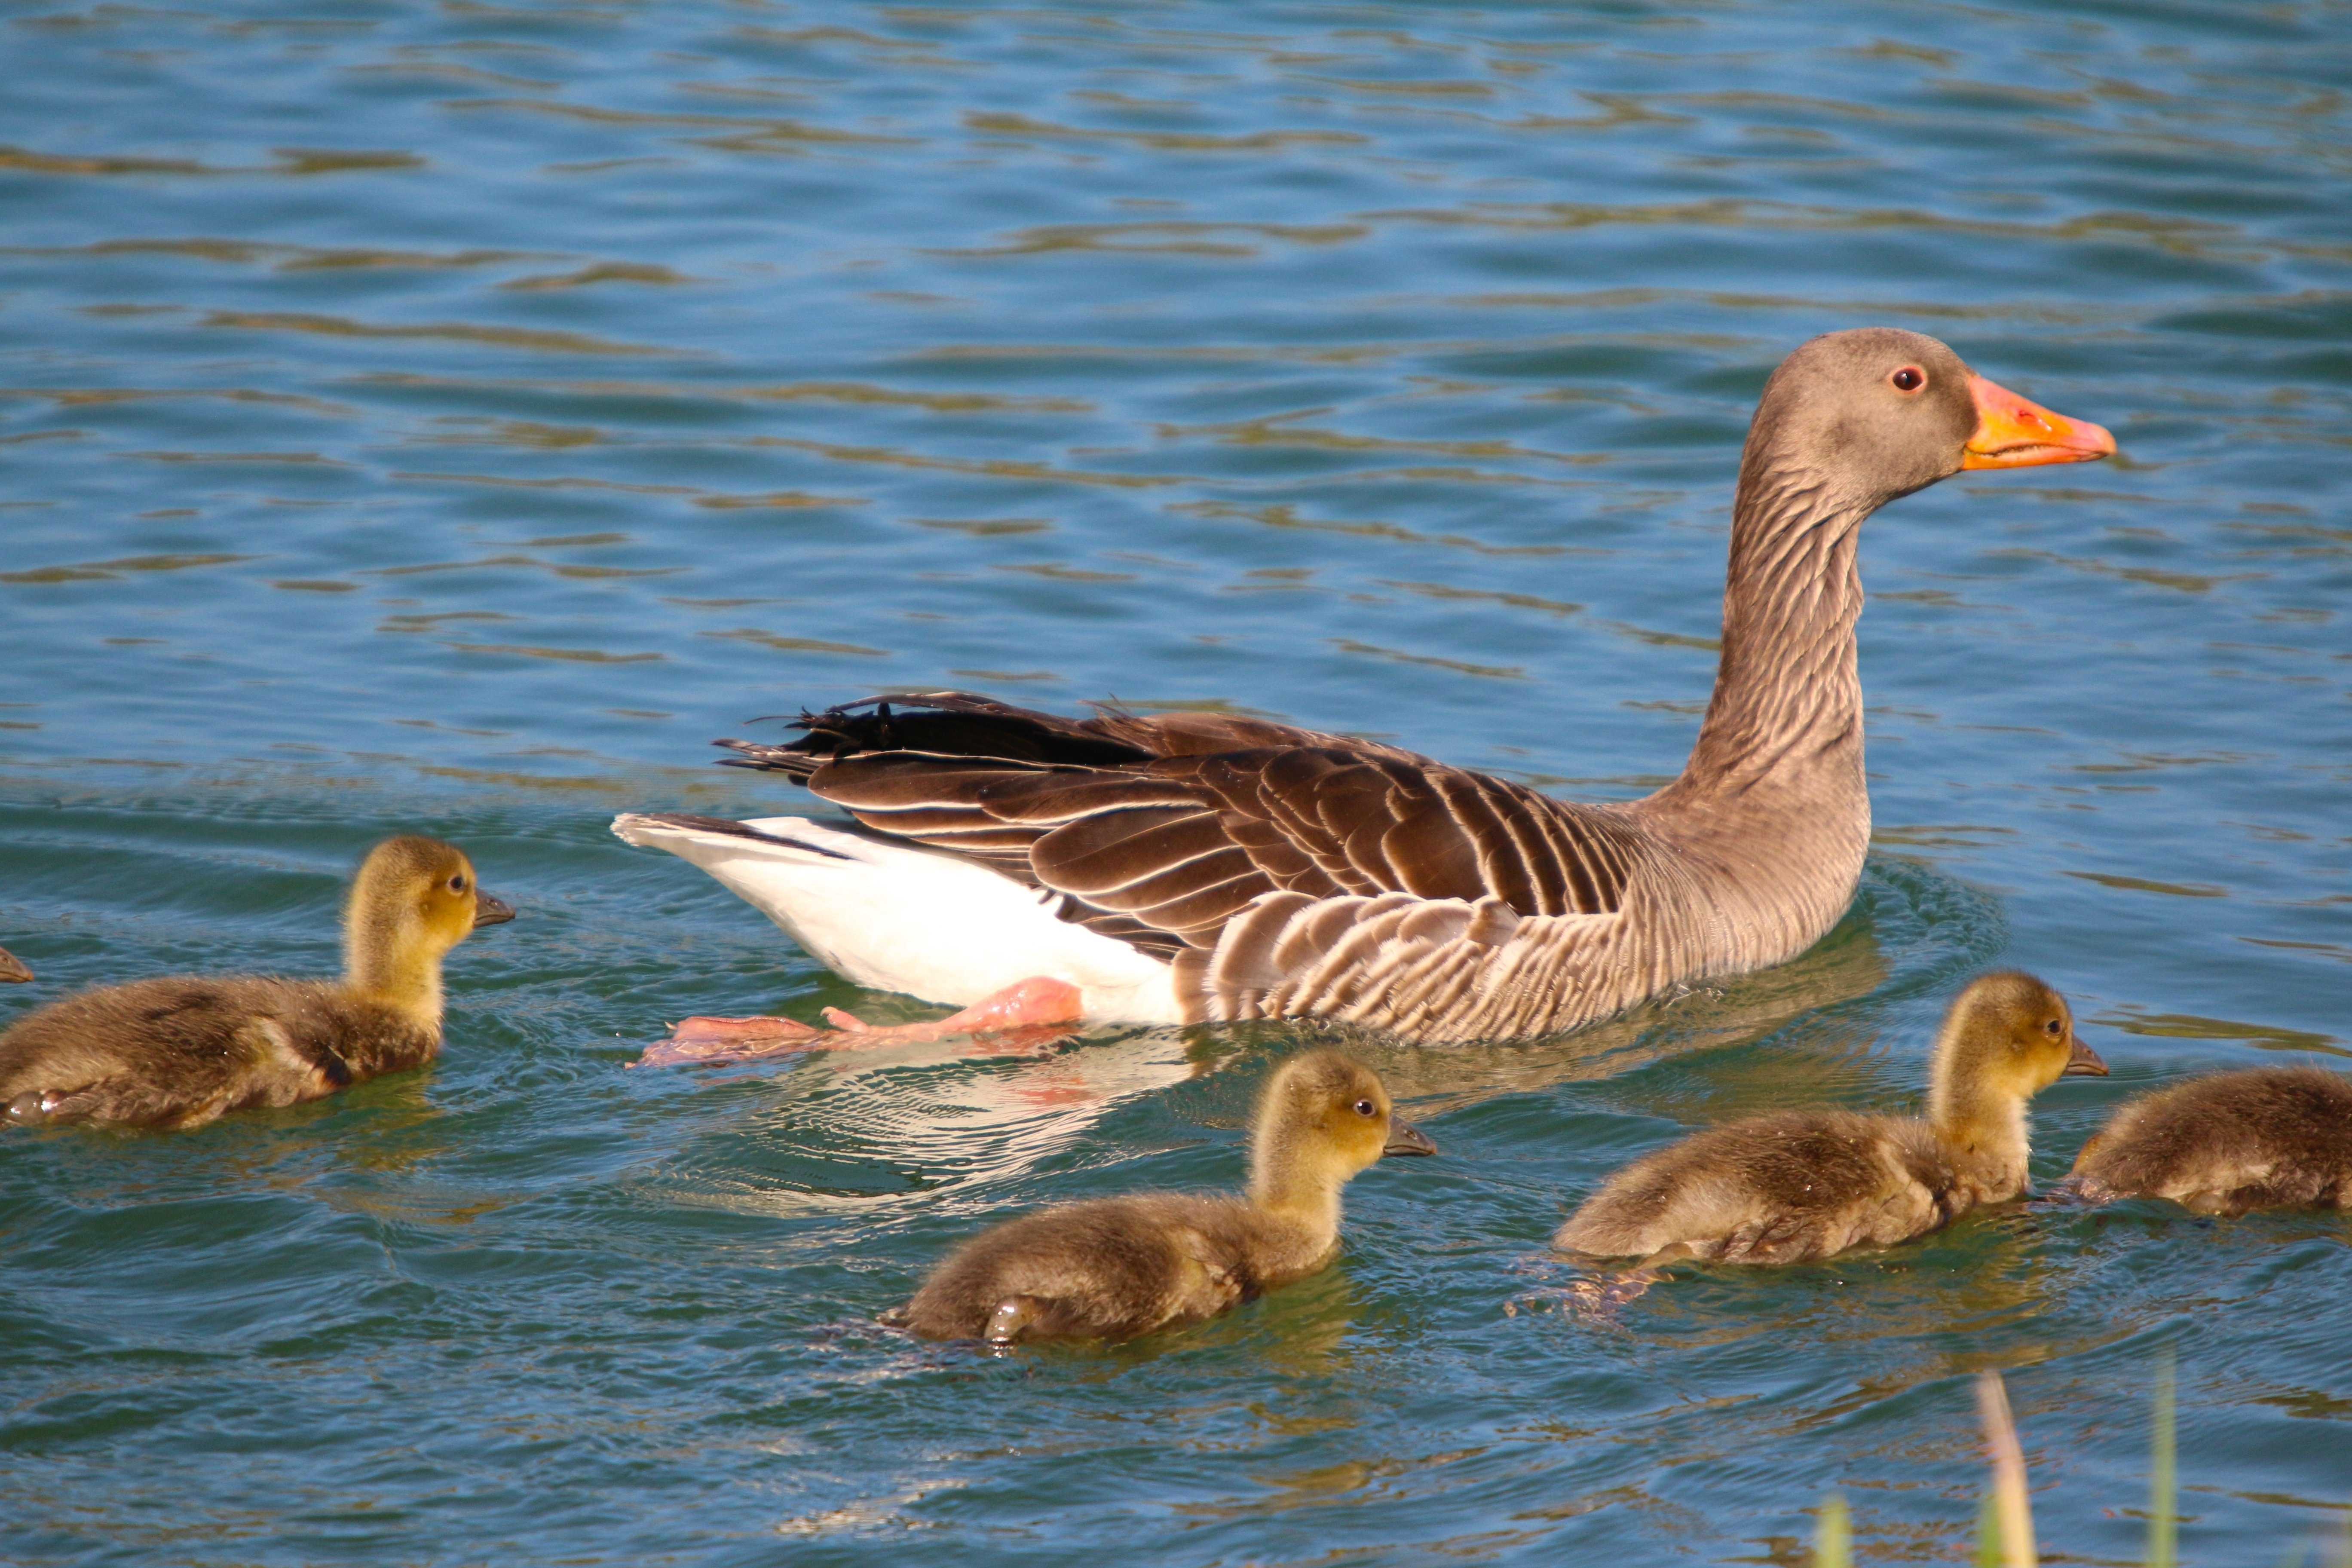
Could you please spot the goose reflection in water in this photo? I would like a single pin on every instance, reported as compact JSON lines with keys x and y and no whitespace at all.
{"x":1012,"y":1108}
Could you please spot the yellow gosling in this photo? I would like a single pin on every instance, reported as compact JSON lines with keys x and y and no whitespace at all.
{"x":1117,"y":1268}
{"x":1794,"y":1185}
{"x":2269,"y":1138}
{"x":180,"y":1050}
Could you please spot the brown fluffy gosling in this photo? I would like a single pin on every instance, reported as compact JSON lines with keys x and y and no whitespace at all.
{"x":2268,"y":1138}
{"x":13,"y":968}
{"x":1117,"y":1268}
{"x":180,"y":1050}
{"x":1794,"y":1185}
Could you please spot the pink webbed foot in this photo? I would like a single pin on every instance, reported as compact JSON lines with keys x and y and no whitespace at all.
{"x":1028,"y":1005}
{"x":1032,"y":1013}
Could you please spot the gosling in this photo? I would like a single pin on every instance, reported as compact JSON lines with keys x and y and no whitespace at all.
{"x":13,"y":968}
{"x":1118,"y":1267}
{"x":1795,"y":1185}
{"x":180,"y":1050}
{"x":2269,"y":1138}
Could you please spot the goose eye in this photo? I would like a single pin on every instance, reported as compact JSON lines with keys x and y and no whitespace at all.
{"x":1910,"y":378}
{"x":456,"y":884}
{"x":1364,"y":1108}
{"x":2051,"y":1027}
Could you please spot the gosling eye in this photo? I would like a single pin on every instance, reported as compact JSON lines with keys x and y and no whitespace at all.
{"x":2051,"y":1027}
{"x":1365,"y":1107}
{"x":1910,"y":378}
{"x":457,"y":884}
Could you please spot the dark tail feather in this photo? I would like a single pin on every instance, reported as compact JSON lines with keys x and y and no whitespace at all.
{"x":795,"y":765}
{"x":940,"y":723}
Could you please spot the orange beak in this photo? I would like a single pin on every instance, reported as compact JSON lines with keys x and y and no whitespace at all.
{"x":2015,"y":431}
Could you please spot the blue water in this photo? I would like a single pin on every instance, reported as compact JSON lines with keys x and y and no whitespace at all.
{"x":451,"y":418}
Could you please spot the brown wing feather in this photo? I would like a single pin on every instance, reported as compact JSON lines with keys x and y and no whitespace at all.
{"x":1161,"y":829}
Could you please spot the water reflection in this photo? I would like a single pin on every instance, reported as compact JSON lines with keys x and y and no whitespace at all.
{"x":1738,"y":1010}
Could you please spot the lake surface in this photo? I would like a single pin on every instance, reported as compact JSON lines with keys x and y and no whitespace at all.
{"x":452,"y":417}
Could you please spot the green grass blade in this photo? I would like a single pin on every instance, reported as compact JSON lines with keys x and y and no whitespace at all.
{"x":2162,"y":1542}
{"x":2014,"y":1507}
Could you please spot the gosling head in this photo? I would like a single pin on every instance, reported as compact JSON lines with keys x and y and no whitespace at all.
{"x":2007,"y":1037}
{"x":413,"y":900}
{"x":1322,"y":1118}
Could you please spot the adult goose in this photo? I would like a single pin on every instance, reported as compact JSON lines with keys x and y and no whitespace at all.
{"x":1192,"y":867}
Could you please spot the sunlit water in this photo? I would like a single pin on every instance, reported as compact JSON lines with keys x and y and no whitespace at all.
{"x":451,"y":418}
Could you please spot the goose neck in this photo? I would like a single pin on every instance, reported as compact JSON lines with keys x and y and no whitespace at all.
{"x":386,"y":959}
{"x":1788,"y":697}
{"x":1297,"y":1192}
{"x":1985,"y":1129}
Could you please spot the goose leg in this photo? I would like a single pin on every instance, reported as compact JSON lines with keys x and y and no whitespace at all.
{"x":1031,"y":1012}
{"x":1024,"y":1004}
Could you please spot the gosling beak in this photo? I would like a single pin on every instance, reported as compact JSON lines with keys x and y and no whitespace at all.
{"x":2015,"y":431}
{"x":11,"y":967}
{"x":1404,"y":1138}
{"x":2082,"y":1061}
{"x":490,"y":909}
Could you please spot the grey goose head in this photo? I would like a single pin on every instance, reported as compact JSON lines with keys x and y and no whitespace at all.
{"x":1863,"y":416}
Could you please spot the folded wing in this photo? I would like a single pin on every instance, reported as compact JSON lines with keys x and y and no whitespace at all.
{"x":1276,"y":868}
